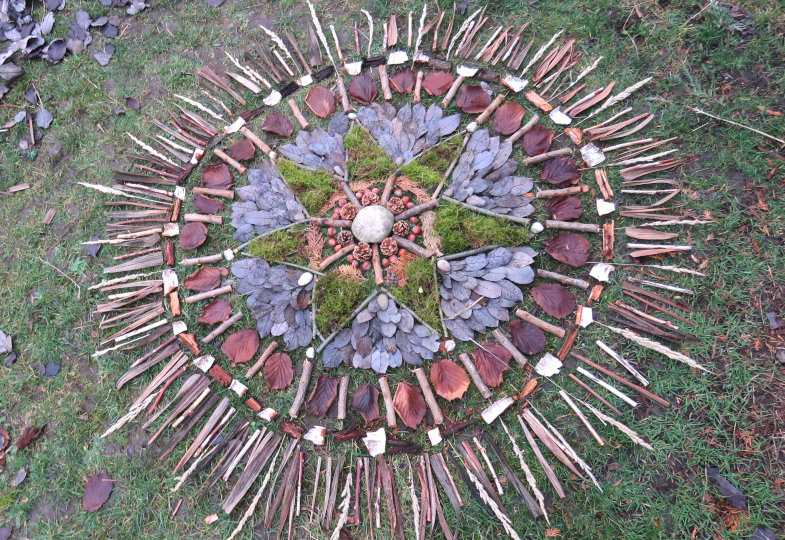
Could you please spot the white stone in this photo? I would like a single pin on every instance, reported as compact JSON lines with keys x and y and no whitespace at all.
{"x":373,"y":224}
{"x":310,"y":353}
{"x":272,"y":155}
{"x":472,"y":127}
{"x":537,"y":227}
{"x":383,"y":301}
{"x":228,"y":254}
{"x":449,"y":345}
{"x":399,"y":161}
{"x":443,"y":265}
{"x":352,"y":116}
{"x":305,"y":279}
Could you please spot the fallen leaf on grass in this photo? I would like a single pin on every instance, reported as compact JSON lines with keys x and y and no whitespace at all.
{"x":5,"y":532}
{"x":526,"y":337}
{"x":322,"y":396}
{"x":93,"y":249}
{"x":473,"y":99}
{"x":365,"y":401}
{"x":243,"y":150}
{"x":321,"y":101}
{"x":409,"y":404}
{"x":19,"y":478}
{"x":449,"y":379}
{"x":207,"y":205}
{"x":30,"y":434}
{"x":217,"y":176}
{"x":560,"y":172}
{"x":6,"y":343}
{"x":278,"y":371}
{"x":278,"y":124}
{"x":437,"y":83}
{"x":193,"y":235}
{"x":215,"y":312}
{"x":568,"y":248}
{"x":537,"y":140}
{"x":363,"y":89}
{"x":733,"y":494}
{"x":97,"y":491}
{"x":205,"y":279}
{"x":508,"y":118}
{"x":555,"y":299}
{"x":50,"y":369}
{"x":492,"y":360}
{"x":241,"y":346}
{"x":402,"y":81}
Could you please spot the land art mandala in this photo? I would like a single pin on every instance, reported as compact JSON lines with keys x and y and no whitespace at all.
{"x":389,"y":253}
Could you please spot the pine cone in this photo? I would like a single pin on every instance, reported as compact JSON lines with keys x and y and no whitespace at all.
{"x":396,"y":205}
{"x":389,"y":247}
{"x":400,"y":228}
{"x":362,"y":252}
{"x":345,"y":237}
{"x":370,"y":198}
{"x":348,"y":211}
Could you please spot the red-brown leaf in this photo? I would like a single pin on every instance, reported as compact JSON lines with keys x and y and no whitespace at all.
{"x":526,"y":337}
{"x":243,"y":150}
{"x":508,"y":118}
{"x":555,"y":299}
{"x":569,"y":248}
{"x":449,"y":379}
{"x":537,"y":140}
{"x":560,"y":172}
{"x":473,"y":99}
{"x":278,"y":124}
{"x":437,"y":83}
{"x":97,"y":491}
{"x":322,"y":396}
{"x":492,"y":360}
{"x":409,"y":404}
{"x":402,"y":81}
{"x":241,"y":346}
{"x":193,"y":235}
{"x":30,"y":434}
{"x":564,"y":208}
{"x":363,"y":89}
{"x":215,"y":312}
{"x":365,"y":401}
{"x":217,"y":176}
{"x":278,"y":371}
{"x":321,"y":101}
{"x":205,"y":279}
{"x":207,"y":205}
{"x":5,"y":440}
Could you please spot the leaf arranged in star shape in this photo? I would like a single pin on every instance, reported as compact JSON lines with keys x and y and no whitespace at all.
{"x":508,"y":118}
{"x":193,"y":235}
{"x":437,"y":83}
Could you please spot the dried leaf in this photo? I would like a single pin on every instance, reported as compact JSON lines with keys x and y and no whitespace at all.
{"x":278,"y":371}
{"x":473,"y":99}
{"x":205,"y":279}
{"x":437,"y":83}
{"x":402,"y":81}
{"x":564,"y":208}
{"x":30,"y":434}
{"x":560,"y":172}
{"x":243,"y":150}
{"x":207,"y":205}
{"x":350,"y":273}
{"x":193,"y":235}
{"x":537,"y":140}
{"x":365,"y":401}
{"x":5,"y":440}
{"x":526,"y":337}
{"x":449,"y":379}
{"x":97,"y":491}
{"x":321,"y":101}
{"x":492,"y":360}
{"x":322,"y":396}
{"x":508,"y":117}
{"x":555,"y":299}
{"x":217,"y":176}
{"x":278,"y":124}
{"x":363,"y":89}
{"x":409,"y":404}
{"x":215,"y":312}
{"x":6,"y":343}
{"x":568,"y":248}
{"x":241,"y":346}
{"x":314,"y":245}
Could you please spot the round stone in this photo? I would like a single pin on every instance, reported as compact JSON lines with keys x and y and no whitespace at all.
{"x":537,"y":227}
{"x":443,"y":265}
{"x":372,"y":224}
{"x":383,"y":302}
{"x":305,"y":279}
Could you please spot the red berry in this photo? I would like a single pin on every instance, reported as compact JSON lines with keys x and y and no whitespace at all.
{"x":405,"y":198}
{"x":331,"y":242}
{"x":355,"y":264}
{"x":350,"y":258}
{"x":376,"y":190}
{"x":366,"y":266}
{"x":414,"y":219}
{"x":401,"y":252}
{"x":393,"y":258}
{"x":341,"y":201}
{"x":398,"y":192}
{"x":331,"y":231}
{"x":359,"y":194}
{"x":412,"y":238}
{"x":336,"y":215}
{"x":409,"y":205}
{"x":416,"y":229}
{"x":385,"y":262}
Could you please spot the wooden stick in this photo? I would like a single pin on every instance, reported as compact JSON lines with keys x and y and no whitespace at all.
{"x":209,"y":294}
{"x":572,"y":190}
{"x":413,"y":211}
{"x":523,"y":130}
{"x":225,"y":193}
{"x":591,"y":391}
{"x":484,"y":115}
{"x":344,"y":96}
{"x":328,"y":222}
{"x":229,"y":161}
{"x":202,"y":260}
{"x":302,"y":387}
{"x":430,"y":399}
{"x":642,"y":391}
{"x":452,"y":91}
{"x":336,"y":256}
{"x":539,"y":323}
{"x":298,"y":114}
{"x":389,"y":184}
{"x":572,"y":226}
{"x":507,"y":344}
{"x":389,"y":411}
{"x":418,"y":87}
{"x":343,"y":391}
{"x":253,"y":370}
{"x":561,"y":278}
{"x":377,"y":265}
{"x":547,"y":155}
{"x":201,"y":218}
{"x":256,"y":140}
{"x":475,"y":375}
{"x":412,"y":247}
{"x":384,"y":81}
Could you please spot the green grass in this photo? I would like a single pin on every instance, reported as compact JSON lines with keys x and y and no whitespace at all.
{"x":336,"y":298}
{"x":286,"y":245}
{"x":420,"y":293}
{"x":460,"y":229}
{"x":430,"y":167}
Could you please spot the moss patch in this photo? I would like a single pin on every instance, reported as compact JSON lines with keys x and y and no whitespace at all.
{"x":429,"y":168}
{"x":336,"y":298}
{"x":313,"y":188}
{"x":461,"y":229}
{"x":367,"y":160}
{"x":287,"y":245}
{"x":420,"y":293}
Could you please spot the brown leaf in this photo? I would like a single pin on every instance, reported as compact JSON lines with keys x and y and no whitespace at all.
{"x":363,"y":89}
{"x":526,"y":337}
{"x":365,"y":401}
{"x":560,"y":172}
{"x":537,"y":140}
{"x":449,"y":379}
{"x":217,"y":176}
{"x":5,"y":440}
{"x":303,"y":299}
{"x":207,"y":205}
{"x":555,"y":299}
{"x":242,"y":150}
{"x":322,"y":396}
{"x":215,"y":312}
{"x":30,"y":434}
{"x":473,"y":99}
{"x":437,"y":83}
{"x":205,"y":279}
{"x":568,"y":248}
{"x":278,"y":124}
{"x":402,"y":81}
{"x":564,"y":208}
{"x":193,"y":235}
{"x":321,"y":101}
{"x":409,"y":404}
{"x":492,"y":360}
{"x":278,"y":371}
{"x":97,"y":491}
{"x":508,"y":118}
{"x":241,"y":346}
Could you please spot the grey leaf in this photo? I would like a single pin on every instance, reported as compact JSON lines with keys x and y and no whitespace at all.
{"x":43,"y":118}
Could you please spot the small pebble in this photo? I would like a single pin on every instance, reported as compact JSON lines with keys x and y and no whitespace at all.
{"x":305,"y":279}
{"x":537,"y":227}
{"x":382,"y":301}
{"x":443,"y":265}
{"x":449,"y":345}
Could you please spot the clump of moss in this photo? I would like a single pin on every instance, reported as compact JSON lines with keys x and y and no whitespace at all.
{"x":336,"y":298}
{"x":313,"y":188}
{"x":286,"y":245}
{"x":428,"y":170}
{"x":420,"y":293}
{"x":367,"y":160}
{"x":460,"y":229}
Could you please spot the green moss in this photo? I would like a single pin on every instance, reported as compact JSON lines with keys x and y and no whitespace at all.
{"x":367,"y":160}
{"x":428,"y":170}
{"x":460,"y":229}
{"x":287,"y":245}
{"x":7,"y":498}
{"x":313,"y":188}
{"x":336,"y":297}
{"x":420,"y":293}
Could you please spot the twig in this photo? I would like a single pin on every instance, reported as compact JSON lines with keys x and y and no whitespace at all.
{"x":700,"y":111}
{"x":78,"y":290}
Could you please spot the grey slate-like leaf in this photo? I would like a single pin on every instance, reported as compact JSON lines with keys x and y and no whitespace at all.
{"x":43,"y":118}
{"x":104,"y":55}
